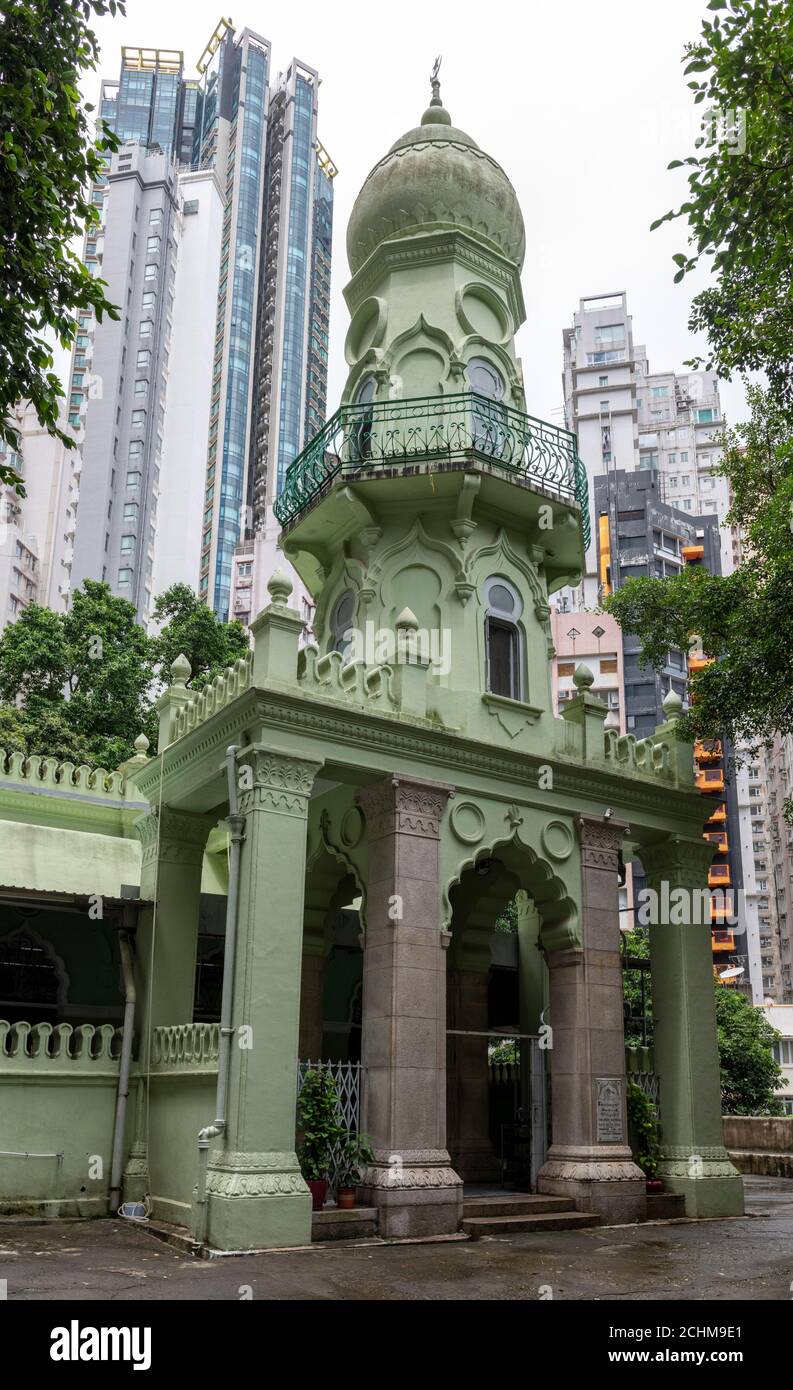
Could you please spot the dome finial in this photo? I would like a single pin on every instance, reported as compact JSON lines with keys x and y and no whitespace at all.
{"x":436,"y":82}
{"x":436,"y":114}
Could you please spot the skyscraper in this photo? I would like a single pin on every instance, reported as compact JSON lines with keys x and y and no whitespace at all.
{"x":224,"y":318}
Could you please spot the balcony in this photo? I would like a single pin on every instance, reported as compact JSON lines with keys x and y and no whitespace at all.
{"x":692,"y":552}
{"x":721,"y":940}
{"x":719,"y":839}
{"x":718,"y":815}
{"x":699,"y":662}
{"x":719,"y":876}
{"x":463,"y":428}
{"x":721,"y":908}
{"x":710,"y":779}
{"x":708,"y":751}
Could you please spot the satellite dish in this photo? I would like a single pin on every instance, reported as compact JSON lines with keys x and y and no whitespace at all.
{"x":732,"y":973}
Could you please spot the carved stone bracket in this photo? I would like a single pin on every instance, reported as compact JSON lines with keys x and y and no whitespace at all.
{"x":600,"y":841}
{"x":401,"y":806}
{"x":274,"y":781}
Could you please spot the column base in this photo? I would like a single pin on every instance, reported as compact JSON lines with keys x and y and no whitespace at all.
{"x":605,"y":1181}
{"x":416,"y":1194}
{"x":256,"y":1201}
{"x":709,"y":1182}
{"x":135,"y":1179}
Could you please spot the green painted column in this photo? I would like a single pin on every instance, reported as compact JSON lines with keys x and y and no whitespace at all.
{"x":694,"y":1159}
{"x":257,"y":1197}
{"x":165,"y":948}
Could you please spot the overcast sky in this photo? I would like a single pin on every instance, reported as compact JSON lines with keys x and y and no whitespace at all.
{"x":583,"y":105}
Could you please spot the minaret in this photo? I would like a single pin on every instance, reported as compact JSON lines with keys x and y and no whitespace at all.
{"x":432,"y":503}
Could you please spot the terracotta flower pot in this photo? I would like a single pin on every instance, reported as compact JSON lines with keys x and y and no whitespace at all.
{"x":318,"y":1187}
{"x":345,"y":1198}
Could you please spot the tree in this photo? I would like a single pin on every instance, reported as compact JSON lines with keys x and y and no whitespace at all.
{"x":82,"y":685}
{"x":749,"y":1073}
{"x":740,"y":200}
{"x":46,"y":165}
{"x":91,"y":669}
{"x":744,"y":620}
{"x":192,"y":630}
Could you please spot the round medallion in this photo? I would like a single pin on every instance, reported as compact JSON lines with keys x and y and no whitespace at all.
{"x":467,"y":822}
{"x":351,"y":828}
{"x":557,"y":840}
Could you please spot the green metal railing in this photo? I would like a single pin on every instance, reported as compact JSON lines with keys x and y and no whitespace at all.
{"x":427,"y":429}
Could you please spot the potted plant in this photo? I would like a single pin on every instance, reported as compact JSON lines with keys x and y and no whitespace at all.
{"x":319,"y":1131}
{"x":355,"y":1154}
{"x":643,"y":1130}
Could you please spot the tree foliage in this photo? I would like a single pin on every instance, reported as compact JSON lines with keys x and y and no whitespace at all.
{"x":740,"y":189}
{"x":82,"y":685}
{"x":749,"y":1073}
{"x":47,"y":162}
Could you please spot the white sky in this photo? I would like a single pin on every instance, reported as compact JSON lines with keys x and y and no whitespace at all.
{"x":583,"y":105}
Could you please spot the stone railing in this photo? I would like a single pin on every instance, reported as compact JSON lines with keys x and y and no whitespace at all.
{"x":354,"y":681}
{"x":212,"y":698}
{"x":639,"y":755}
{"x":186,"y":1046}
{"x":41,"y":1046}
{"x":42,"y":774}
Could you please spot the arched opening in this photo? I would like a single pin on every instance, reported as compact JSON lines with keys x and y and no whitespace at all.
{"x":497,"y":1086}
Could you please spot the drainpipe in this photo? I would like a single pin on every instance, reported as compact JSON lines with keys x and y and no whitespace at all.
{"x":117,"y":1162}
{"x":212,"y":1131}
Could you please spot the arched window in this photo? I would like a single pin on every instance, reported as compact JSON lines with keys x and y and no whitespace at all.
{"x":485,"y":379}
{"x":489,"y":433}
{"x":503,"y":643}
{"x":341,"y":622}
{"x":362,"y":432}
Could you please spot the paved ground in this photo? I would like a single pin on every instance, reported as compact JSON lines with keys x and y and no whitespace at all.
{"x":747,"y":1258}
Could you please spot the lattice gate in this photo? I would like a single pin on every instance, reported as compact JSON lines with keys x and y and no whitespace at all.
{"x":346,"y":1077}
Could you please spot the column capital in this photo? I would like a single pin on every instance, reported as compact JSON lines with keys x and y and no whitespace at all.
{"x":600,"y":839}
{"x":274,"y":781}
{"x":680,"y":861}
{"x":175,"y":837}
{"x":404,"y":805}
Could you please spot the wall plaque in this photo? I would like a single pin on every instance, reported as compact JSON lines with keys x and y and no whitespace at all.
{"x":608,"y":1092}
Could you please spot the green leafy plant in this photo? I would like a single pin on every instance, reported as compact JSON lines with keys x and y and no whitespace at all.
{"x":319,"y":1127}
{"x":643,"y":1130}
{"x":749,"y":1073}
{"x":48,"y":161}
{"x":356,"y":1152}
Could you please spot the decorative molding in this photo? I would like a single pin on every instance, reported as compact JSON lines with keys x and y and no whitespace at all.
{"x":600,"y":841}
{"x":233,"y":1175}
{"x":677,"y":860}
{"x":281,"y":783}
{"x":467,"y":822}
{"x":404,"y":806}
{"x":557,"y":840}
{"x":173,"y":837}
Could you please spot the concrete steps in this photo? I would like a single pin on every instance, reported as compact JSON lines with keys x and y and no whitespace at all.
{"x":511,"y":1215}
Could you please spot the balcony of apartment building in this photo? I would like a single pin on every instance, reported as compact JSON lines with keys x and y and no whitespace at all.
{"x":719,"y":876}
{"x":710,"y":779}
{"x":692,"y":553}
{"x":718,"y":838}
{"x":708,"y":750}
{"x":718,"y":815}
{"x":722,"y":940}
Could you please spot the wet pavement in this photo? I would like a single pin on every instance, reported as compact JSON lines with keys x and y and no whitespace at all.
{"x":747,"y":1257}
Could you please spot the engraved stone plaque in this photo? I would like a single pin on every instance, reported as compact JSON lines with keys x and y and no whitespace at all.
{"x":608,"y":1092}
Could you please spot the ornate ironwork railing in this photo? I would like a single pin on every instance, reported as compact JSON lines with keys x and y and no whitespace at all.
{"x":437,"y":428}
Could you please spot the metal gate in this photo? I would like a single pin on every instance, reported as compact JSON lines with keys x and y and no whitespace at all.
{"x":346,"y":1077}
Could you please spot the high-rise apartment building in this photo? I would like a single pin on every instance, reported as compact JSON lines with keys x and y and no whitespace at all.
{"x":215,"y":243}
{"x":30,"y":534}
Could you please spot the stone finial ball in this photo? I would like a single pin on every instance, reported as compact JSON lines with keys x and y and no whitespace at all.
{"x":181,"y":670}
{"x":583,"y":678}
{"x":279,"y":587}
{"x":672,"y":705}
